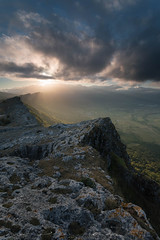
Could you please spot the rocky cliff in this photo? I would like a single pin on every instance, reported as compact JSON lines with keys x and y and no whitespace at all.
{"x":54,"y":182}
{"x":15,"y":113}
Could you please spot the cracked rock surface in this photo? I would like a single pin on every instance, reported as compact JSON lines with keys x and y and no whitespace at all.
{"x":54,"y":184}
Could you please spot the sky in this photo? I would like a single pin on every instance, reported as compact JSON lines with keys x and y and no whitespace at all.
{"x":91,"y":41}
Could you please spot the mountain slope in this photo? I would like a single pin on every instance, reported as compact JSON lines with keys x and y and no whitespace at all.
{"x":15,"y":113}
{"x":5,"y":95}
{"x":44,"y":119}
{"x":55,"y":183}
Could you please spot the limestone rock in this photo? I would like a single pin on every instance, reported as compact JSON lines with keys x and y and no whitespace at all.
{"x":54,"y":183}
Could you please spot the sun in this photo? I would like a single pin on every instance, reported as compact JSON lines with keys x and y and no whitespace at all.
{"x":46,"y":82}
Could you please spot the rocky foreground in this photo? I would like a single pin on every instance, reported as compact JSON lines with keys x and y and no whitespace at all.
{"x":54,"y":182}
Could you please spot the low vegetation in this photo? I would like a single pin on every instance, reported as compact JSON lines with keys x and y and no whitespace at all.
{"x":88,"y":182}
{"x":52,"y":200}
{"x":8,"y":205}
{"x":5,"y":120}
{"x":14,"y":179}
{"x":75,"y":228}
{"x":92,"y":207}
{"x":62,"y":191}
{"x":9,"y":225}
{"x":47,"y":234}
{"x":111,"y":203}
{"x":145,"y":158}
{"x":34,"y":221}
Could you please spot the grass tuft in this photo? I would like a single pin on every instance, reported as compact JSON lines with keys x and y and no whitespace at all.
{"x":88,"y":182}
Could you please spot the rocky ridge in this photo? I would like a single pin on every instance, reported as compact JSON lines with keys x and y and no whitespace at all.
{"x":54,"y":182}
{"x":15,"y":113}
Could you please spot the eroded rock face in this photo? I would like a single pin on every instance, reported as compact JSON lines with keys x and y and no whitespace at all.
{"x":15,"y":113}
{"x":103,"y":136}
{"x":54,"y":184}
{"x":100,"y":134}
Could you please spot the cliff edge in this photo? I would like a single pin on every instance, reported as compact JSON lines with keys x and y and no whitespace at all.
{"x":54,"y":184}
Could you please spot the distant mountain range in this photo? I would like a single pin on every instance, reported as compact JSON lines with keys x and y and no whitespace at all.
{"x":4,"y":95}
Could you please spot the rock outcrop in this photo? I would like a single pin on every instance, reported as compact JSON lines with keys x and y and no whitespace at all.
{"x":15,"y":113}
{"x":54,"y":184}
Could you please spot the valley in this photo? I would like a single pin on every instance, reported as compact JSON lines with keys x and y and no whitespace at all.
{"x":136,"y":116}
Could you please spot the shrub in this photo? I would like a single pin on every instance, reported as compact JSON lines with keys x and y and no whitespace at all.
{"x":76,"y":229}
{"x":53,"y":200}
{"x":34,"y":221}
{"x":14,"y":179}
{"x":47,"y":234}
{"x":15,"y":228}
{"x":88,"y":182}
{"x":29,"y":209}
{"x":111,"y":203}
{"x":62,"y":190}
{"x":8,"y":205}
{"x":92,"y":207}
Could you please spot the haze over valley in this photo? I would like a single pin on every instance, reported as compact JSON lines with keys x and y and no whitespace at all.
{"x":135,"y":113}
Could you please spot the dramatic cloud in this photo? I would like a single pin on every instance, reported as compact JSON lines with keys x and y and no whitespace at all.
{"x":82,"y":54}
{"x":27,"y":70}
{"x":73,"y":40}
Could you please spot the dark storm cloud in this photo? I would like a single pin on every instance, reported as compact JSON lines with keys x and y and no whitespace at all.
{"x":81,"y":49}
{"x":27,"y":70}
{"x":138,"y":58}
{"x":82,"y":54}
{"x":103,"y":38}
